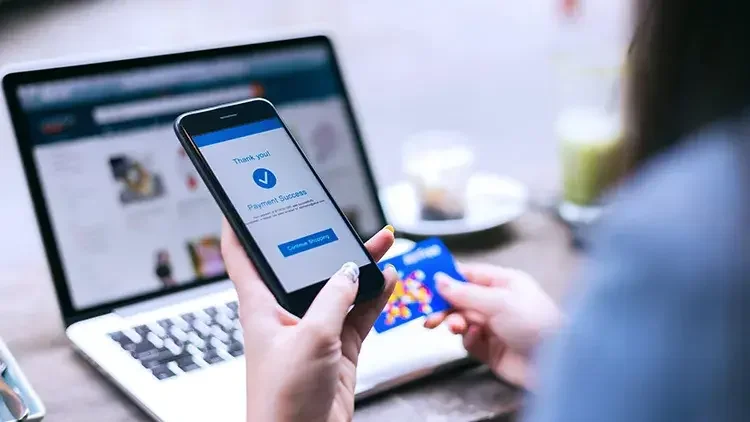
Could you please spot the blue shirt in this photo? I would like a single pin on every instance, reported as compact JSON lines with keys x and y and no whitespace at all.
{"x":662,"y":332}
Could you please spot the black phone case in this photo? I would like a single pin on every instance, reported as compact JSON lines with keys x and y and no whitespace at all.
{"x":251,"y":248}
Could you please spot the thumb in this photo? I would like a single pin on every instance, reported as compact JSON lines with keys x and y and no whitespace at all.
{"x":329,"y":309}
{"x":485,"y":300}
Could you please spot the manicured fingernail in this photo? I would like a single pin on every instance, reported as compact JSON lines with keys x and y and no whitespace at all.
{"x":350,"y":270}
{"x":390,"y":229}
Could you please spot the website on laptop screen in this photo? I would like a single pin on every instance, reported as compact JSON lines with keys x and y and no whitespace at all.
{"x":129,"y":213}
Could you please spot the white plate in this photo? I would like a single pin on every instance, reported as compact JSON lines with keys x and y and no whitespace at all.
{"x":492,"y":202}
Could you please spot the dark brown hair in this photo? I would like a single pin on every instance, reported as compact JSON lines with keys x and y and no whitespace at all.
{"x":688,"y":66}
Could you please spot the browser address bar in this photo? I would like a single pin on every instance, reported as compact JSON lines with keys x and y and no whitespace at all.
{"x":134,"y":110}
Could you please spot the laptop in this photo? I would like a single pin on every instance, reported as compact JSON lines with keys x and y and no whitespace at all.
{"x":132,"y":236}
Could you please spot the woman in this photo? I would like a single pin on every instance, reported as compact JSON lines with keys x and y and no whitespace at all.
{"x":661,"y":331}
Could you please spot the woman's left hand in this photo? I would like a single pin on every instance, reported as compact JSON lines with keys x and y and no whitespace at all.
{"x":303,"y":369}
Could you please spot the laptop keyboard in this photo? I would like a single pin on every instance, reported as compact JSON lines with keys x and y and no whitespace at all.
{"x":185,"y":343}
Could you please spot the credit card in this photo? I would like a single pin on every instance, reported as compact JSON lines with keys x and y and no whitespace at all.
{"x":415,"y":294}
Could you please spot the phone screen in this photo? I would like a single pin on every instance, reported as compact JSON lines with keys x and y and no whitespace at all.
{"x":284,"y":207}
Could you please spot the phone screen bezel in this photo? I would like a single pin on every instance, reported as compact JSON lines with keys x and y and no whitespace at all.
{"x":189,"y":125}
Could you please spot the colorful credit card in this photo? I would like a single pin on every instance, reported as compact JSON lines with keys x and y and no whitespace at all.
{"x":415,"y":294}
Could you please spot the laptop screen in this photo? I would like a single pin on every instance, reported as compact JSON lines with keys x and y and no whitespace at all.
{"x":129,"y":214}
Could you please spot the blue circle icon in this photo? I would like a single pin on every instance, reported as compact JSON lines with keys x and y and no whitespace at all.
{"x":264,"y":178}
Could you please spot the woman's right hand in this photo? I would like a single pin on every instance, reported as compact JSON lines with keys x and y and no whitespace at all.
{"x":502,"y":314}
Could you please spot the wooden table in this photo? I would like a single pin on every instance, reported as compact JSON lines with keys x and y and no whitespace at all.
{"x":406,"y":63}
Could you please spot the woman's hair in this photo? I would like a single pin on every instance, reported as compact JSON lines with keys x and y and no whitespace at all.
{"x":688,"y":66}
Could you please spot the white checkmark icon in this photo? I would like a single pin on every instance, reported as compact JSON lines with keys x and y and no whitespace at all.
{"x":264,"y":180}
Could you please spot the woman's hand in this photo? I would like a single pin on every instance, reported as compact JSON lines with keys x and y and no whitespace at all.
{"x":501,"y":313}
{"x":303,"y":369}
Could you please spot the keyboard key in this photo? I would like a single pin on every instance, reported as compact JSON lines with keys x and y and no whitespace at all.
{"x":219,"y":333}
{"x":212,"y":357}
{"x":117,"y":336}
{"x":233,"y":306}
{"x":202,"y":328}
{"x":178,"y":334}
{"x":193,"y":350}
{"x":225,"y":310}
{"x":180,"y":323}
{"x":132,"y":335}
{"x":226,"y":322}
{"x":180,"y":344}
{"x":212,"y":311}
{"x":157,"y":329}
{"x":189,"y":317}
{"x":124,"y":341}
{"x":155,"y":340}
{"x":142,"y":349}
{"x":142,"y":330}
{"x":197,"y":341}
{"x":203,"y":316}
{"x":217,"y":344}
{"x":199,"y":361}
{"x":172,"y":346}
{"x":162,"y":372}
{"x":187,"y":364}
{"x":224,"y":354}
{"x":235,"y":349}
{"x":172,"y":366}
{"x":165,"y":324}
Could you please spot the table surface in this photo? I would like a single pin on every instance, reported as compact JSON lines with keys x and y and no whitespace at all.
{"x":402,"y":69}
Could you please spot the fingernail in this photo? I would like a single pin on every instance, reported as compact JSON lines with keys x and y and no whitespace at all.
{"x":390,"y":229}
{"x":391,"y":268}
{"x":442,"y":282}
{"x":350,"y":270}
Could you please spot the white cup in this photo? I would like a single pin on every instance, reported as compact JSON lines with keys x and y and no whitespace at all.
{"x":439,"y":165}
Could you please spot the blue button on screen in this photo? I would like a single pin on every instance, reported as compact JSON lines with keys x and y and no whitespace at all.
{"x":305,"y":243}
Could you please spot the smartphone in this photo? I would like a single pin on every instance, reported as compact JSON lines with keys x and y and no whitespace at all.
{"x":282,"y":213}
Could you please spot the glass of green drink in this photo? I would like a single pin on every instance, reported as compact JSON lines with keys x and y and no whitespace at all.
{"x":589,"y":129}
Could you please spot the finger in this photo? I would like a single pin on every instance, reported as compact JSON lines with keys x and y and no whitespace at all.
{"x":364,"y":315}
{"x":326,"y":315}
{"x":235,"y":257}
{"x":379,"y":244}
{"x":486,"y":274}
{"x":472,"y":337}
{"x":436,"y":319}
{"x":252,"y":293}
{"x":476,"y":343}
{"x":456,"y":323}
{"x":471,"y":297}
{"x":286,"y":318}
{"x":474,"y":317}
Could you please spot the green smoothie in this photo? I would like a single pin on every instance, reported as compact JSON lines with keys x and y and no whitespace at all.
{"x":591,"y":149}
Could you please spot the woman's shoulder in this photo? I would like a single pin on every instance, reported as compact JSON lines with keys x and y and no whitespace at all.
{"x":708,"y":164}
{"x":691,"y":204}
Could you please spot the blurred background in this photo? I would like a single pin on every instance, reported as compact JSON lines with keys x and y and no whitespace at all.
{"x":484,"y":69}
